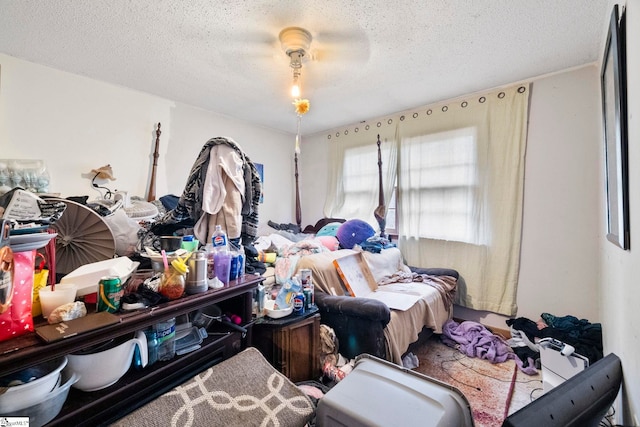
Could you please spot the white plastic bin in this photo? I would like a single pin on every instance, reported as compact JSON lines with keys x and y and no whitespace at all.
{"x":380,"y":393}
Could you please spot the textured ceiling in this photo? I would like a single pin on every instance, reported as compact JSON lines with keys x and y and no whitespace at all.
{"x":370,"y":58}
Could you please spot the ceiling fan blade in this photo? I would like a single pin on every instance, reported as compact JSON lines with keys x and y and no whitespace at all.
{"x":344,"y":46}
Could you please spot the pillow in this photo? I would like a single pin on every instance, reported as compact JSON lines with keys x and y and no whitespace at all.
{"x":329,"y":242}
{"x":329,"y":229}
{"x":354,"y":232}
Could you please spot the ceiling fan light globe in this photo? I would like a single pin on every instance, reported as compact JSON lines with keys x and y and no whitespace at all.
{"x":295,"y":91}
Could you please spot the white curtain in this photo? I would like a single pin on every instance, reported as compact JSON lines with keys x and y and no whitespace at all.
{"x":460,"y":184}
{"x":353,"y":181}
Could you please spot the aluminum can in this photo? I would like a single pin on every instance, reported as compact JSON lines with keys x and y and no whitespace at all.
{"x":109,"y":293}
{"x":308,"y":298}
{"x":305,"y":276}
{"x":298,"y":303}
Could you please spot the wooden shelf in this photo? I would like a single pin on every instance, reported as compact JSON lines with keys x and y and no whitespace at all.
{"x":138,"y":387}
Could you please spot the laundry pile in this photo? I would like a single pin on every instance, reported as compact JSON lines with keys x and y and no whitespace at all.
{"x":475,"y":340}
{"x":584,"y":336}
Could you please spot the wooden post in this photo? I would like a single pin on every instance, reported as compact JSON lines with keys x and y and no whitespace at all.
{"x":152,"y":184}
{"x":380,"y":211}
{"x":298,"y":210}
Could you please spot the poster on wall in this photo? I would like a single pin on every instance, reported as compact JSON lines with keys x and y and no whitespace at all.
{"x":614,"y":116}
{"x":260,"y":168}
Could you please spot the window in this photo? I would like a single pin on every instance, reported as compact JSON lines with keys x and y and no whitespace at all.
{"x":357,"y":188}
{"x":441,"y":181}
{"x":392,"y":212}
{"x":360,"y":175}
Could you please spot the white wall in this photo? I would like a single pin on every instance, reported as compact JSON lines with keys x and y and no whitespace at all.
{"x":562,"y":205}
{"x":620,"y":290}
{"x":77,"y":124}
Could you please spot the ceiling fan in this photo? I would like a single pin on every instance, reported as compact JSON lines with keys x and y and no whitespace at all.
{"x":330,"y":47}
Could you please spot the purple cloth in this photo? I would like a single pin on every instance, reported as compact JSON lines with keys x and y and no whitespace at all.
{"x":474,"y":340}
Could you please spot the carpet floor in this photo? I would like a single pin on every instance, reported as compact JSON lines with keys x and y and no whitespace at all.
{"x":491,"y":389}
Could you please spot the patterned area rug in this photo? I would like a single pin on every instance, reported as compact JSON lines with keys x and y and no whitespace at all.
{"x":242,"y":391}
{"x":487,"y":386}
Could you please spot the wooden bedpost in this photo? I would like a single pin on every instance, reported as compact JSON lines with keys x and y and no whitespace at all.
{"x":152,"y":184}
{"x":298,"y":210}
{"x":380,"y":212}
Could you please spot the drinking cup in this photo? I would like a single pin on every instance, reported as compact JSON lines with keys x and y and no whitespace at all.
{"x":63,"y":293}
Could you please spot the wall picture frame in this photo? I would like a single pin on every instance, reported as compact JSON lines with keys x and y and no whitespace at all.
{"x":614,"y":116}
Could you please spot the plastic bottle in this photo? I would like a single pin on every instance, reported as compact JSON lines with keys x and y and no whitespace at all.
{"x":166,"y":333}
{"x":152,"y":345}
{"x":233,"y":269}
{"x":258,"y":303}
{"x":211,"y":272}
{"x":219,"y":240}
{"x":241,"y":261}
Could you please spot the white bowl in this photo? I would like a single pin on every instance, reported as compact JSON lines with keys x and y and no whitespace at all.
{"x":31,"y":392}
{"x":276,"y":313}
{"x":49,"y":407}
{"x":98,"y":370}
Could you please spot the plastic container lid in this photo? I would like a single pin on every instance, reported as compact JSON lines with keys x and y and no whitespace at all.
{"x":191,"y":341}
{"x":180,"y":266}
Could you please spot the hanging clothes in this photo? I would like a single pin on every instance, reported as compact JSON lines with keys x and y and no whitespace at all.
{"x":215,"y":188}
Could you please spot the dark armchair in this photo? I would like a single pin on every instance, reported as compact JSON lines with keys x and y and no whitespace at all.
{"x":359,"y":323}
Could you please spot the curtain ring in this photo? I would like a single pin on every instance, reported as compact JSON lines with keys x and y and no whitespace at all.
{"x":346,"y":132}
{"x":464,"y":104}
{"x":379,"y":124}
{"x":337,"y":134}
{"x":521,"y":89}
{"x":366,"y":127}
{"x":329,"y":136}
{"x":402,"y":118}
{"x":356,"y":130}
{"x":445,"y":108}
{"x":482,"y":99}
{"x":389,"y":121}
{"x":415,"y":115}
{"x":501,"y":95}
{"x":429,"y":112}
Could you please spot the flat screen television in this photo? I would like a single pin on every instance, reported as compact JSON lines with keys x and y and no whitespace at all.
{"x":581,"y":401}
